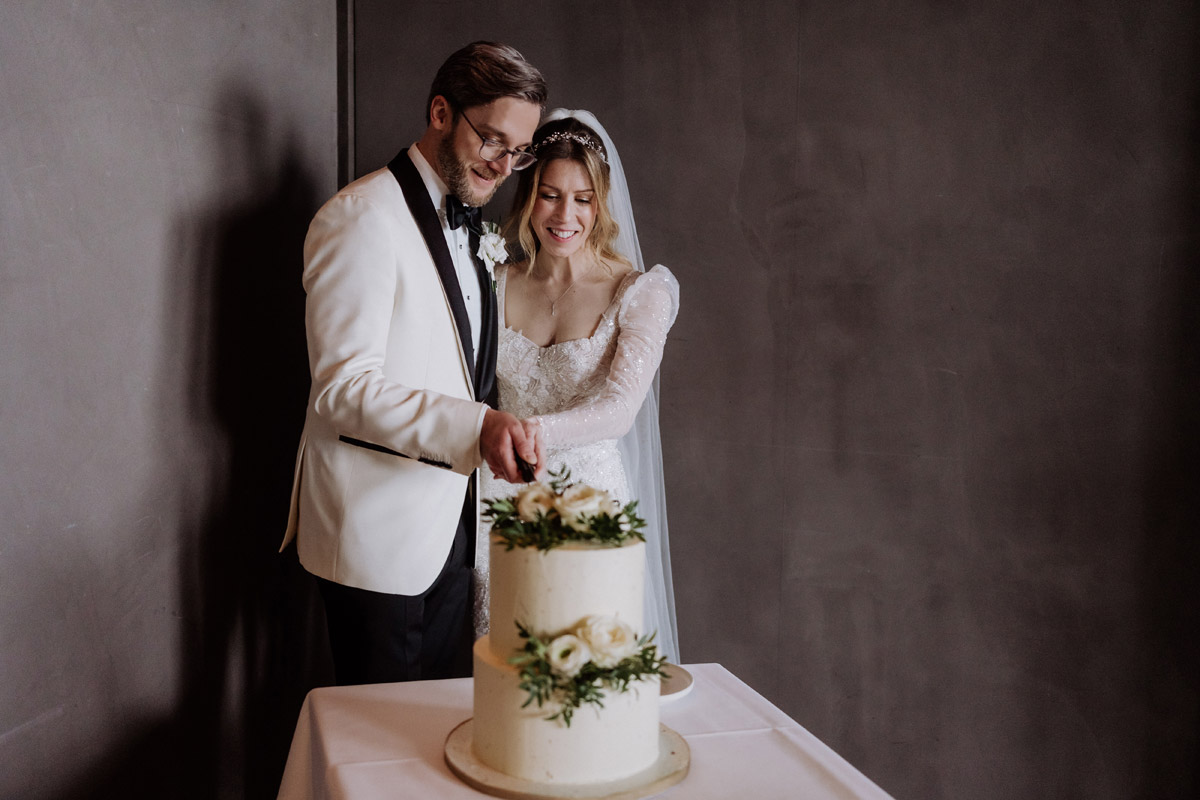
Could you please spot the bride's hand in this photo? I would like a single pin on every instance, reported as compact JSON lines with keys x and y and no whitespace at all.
{"x":533,"y":432}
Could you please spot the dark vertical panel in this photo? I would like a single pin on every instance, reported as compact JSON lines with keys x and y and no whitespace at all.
{"x":929,"y":405}
{"x":345,"y":90}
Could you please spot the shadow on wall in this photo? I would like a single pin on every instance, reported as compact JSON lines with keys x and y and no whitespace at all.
{"x":253,"y":633}
{"x":256,"y":620}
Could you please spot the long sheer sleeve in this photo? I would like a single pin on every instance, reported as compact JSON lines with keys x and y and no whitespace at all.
{"x":646,"y":314}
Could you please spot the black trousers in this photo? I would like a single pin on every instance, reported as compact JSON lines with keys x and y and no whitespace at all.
{"x":382,"y":638}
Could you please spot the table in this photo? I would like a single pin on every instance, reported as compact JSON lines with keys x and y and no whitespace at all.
{"x":385,"y":742}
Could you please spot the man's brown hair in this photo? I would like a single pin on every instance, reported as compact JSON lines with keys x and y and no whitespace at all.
{"x":485,"y":71}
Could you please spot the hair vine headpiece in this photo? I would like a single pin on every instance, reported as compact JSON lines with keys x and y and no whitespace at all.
{"x":581,"y":138}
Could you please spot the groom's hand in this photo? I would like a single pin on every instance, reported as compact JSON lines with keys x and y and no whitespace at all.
{"x":503,"y":438}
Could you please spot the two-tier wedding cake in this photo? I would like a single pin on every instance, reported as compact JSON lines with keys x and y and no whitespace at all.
{"x":566,"y":685}
{"x":576,"y":599}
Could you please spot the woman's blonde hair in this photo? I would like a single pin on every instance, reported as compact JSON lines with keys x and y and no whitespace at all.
{"x":572,"y":140}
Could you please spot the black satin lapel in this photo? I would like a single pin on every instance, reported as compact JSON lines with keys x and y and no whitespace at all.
{"x":425,"y":215}
{"x":485,"y":366}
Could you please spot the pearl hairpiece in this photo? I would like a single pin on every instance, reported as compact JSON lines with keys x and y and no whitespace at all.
{"x":581,"y":138}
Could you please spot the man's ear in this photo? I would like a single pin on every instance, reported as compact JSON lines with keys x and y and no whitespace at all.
{"x":441,"y":116}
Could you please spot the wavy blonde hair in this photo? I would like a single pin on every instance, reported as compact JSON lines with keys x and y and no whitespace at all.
{"x":602,"y":239}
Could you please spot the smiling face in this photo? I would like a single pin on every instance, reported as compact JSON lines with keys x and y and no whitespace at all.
{"x":564,"y":210}
{"x":470,"y":178}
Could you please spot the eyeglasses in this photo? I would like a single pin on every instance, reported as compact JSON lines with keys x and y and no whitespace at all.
{"x":492,"y":150}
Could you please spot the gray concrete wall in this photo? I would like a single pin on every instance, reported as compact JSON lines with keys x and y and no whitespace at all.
{"x":929,"y":406}
{"x":159,"y":162}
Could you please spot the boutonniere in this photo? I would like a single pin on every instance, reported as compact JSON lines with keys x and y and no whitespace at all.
{"x":493,"y":249}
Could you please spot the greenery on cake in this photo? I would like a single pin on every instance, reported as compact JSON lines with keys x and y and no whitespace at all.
{"x":576,"y":667}
{"x":545,"y":515}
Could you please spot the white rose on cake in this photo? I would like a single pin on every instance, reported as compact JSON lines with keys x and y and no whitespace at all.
{"x":623,"y":520}
{"x":579,"y":502}
{"x":535,"y":499}
{"x":567,"y":654}
{"x":609,"y":639}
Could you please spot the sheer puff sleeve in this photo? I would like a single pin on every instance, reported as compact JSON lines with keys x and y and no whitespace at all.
{"x":646,"y":313}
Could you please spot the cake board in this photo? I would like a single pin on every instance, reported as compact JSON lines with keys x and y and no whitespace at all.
{"x":674,"y":758}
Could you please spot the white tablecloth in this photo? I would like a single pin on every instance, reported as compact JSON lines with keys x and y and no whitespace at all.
{"x":385,"y":742}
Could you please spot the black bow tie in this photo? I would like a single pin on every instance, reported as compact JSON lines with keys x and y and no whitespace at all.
{"x":457,"y":214}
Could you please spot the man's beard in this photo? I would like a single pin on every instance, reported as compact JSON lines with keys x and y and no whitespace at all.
{"x":455,"y":173}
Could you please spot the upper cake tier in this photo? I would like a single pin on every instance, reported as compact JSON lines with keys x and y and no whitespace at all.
{"x":550,"y":591}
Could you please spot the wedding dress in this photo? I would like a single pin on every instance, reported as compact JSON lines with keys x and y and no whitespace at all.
{"x":585,"y":394}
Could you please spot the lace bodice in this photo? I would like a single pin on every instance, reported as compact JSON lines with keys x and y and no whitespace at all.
{"x":587,"y":390}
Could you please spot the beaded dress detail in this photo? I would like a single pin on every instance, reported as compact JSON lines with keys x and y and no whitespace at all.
{"x":584,"y":393}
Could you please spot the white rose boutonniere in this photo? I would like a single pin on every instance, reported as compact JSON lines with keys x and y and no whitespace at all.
{"x":492,"y":248}
{"x":567,"y":654}
{"x":611,"y":640}
{"x":578,"y":503}
{"x":536,"y":499}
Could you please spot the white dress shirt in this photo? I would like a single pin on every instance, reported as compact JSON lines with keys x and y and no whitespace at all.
{"x":459,"y":243}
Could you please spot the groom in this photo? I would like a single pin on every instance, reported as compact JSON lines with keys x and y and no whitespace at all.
{"x":401,"y":323}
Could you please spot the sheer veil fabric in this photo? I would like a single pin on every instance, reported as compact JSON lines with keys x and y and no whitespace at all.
{"x":641,"y":447}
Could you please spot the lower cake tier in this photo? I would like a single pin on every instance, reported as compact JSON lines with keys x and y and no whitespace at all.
{"x":600,"y":745}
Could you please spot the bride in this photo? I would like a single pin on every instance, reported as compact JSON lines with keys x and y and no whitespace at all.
{"x":582,"y":328}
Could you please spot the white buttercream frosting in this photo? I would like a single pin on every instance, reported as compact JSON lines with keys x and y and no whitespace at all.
{"x":601,"y":744}
{"x":551,"y":592}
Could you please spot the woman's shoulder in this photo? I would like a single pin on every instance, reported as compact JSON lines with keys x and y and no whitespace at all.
{"x":656,"y":279}
{"x":656,"y":287}
{"x":658,"y":275}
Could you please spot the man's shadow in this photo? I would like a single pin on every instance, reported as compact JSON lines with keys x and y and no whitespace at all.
{"x":256,"y":644}
{"x":252,"y":638}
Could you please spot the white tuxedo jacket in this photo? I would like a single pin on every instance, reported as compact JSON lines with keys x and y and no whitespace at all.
{"x":391,"y":436}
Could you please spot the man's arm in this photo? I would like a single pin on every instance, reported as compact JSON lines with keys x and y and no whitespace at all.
{"x":350,"y":279}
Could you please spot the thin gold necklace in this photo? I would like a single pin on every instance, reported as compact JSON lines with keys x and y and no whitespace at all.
{"x":554,"y":301}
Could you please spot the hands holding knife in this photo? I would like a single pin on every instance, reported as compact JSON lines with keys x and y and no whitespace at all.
{"x":512,"y":447}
